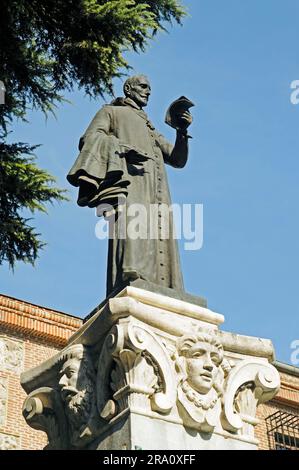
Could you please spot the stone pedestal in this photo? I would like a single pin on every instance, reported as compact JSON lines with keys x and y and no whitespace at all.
{"x":148,"y":371}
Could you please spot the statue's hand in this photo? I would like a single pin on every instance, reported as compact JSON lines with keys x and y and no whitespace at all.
{"x":184,"y":120}
{"x":135,"y":158}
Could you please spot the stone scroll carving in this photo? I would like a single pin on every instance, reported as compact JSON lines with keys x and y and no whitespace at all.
{"x":248,"y":384}
{"x":137,"y":369}
{"x":43,"y":411}
{"x":189,"y":379}
{"x":213,"y":394}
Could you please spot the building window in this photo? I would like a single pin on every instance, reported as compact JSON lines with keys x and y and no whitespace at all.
{"x":283,"y":431}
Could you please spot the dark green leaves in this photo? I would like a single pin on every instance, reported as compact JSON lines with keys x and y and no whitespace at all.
{"x":47,"y":47}
{"x":22,"y":186}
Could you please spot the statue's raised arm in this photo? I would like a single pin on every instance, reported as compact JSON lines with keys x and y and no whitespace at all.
{"x":120,"y":169}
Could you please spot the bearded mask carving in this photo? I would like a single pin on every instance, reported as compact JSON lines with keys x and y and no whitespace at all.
{"x":77,"y":383}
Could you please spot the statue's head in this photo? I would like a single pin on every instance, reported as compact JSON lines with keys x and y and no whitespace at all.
{"x":76,"y":382}
{"x":76,"y":372}
{"x":203,"y":354}
{"x":138,"y":89}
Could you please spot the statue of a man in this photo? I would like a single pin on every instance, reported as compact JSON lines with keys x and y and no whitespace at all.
{"x":121,"y":158}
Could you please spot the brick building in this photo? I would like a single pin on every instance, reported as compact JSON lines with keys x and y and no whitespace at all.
{"x":30,"y":334}
{"x":279,"y":418}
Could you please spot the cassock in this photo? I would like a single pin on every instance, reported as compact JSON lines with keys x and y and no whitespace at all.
{"x":123,"y":155}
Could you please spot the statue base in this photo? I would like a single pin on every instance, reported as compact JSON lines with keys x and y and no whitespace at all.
{"x":138,"y":432}
{"x":149,"y":371}
{"x":154,"y":288}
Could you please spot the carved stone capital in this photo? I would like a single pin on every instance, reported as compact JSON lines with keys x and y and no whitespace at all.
{"x":149,"y":360}
{"x":134,"y":372}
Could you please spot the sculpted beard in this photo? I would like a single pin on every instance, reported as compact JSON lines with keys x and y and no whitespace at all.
{"x":78,"y":409}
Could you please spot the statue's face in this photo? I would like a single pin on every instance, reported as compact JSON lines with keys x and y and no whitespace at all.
{"x":202,"y":362}
{"x":140,"y":91}
{"x":69,"y":379}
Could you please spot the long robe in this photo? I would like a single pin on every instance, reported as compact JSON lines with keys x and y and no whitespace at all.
{"x":125,"y":127}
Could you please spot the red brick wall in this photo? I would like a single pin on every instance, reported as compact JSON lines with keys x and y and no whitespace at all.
{"x":35,"y":352}
{"x":286,"y":400}
{"x":29,"y":334}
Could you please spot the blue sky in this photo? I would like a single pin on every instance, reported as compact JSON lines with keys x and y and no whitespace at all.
{"x":236,"y":60}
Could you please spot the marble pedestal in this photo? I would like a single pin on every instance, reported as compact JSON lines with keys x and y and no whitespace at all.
{"x":147,"y":371}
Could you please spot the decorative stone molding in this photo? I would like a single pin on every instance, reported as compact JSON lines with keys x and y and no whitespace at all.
{"x":200,"y":379}
{"x":248,"y":384}
{"x":9,"y":442}
{"x":67,"y":412}
{"x":179,"y":379}
{"x":3,"y":400}
{"x":136,"y":366}
{"x":11,"y":355}
{"x":77,"y":389}
{"x":43,"y":411}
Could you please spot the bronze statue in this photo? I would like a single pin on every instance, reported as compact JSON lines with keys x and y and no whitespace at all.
{"x":121,"y":161}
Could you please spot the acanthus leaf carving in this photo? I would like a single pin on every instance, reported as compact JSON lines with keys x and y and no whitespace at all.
{"x":135,"y":370}
{"x":132,"y":380}
{"x":145,"y":340}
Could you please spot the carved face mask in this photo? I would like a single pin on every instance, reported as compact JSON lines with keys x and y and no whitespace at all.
{"x":202,"y":362}
{"x":69,"y":375}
